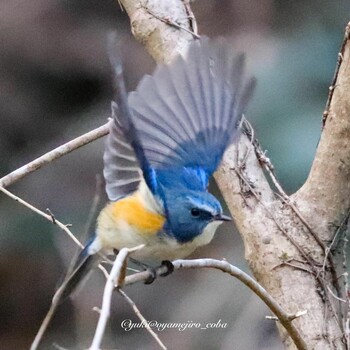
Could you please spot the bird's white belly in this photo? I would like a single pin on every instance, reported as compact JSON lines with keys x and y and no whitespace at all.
{"x":157,"y":247}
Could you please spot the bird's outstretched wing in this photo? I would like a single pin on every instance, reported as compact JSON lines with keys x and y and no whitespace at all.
{"x":124,"y":156}
{"x":121,"y":168}
{"x":185,"y":115}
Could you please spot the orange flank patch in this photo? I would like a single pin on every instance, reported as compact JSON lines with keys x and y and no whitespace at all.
{"x":131,"y":210}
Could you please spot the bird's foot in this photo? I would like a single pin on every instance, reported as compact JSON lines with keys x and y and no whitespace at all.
{"x":151,"y":270}
{"x":153,"y":274}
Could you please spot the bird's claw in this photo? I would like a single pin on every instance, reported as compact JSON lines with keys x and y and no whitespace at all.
{"x":153,"y":274}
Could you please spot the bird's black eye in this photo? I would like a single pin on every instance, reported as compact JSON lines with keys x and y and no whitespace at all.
{"x":195,"y":212}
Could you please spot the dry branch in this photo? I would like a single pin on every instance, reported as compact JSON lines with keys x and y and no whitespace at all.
{"x":115,"y":278}
{"x":49,"y":217}
{"x":282,"y":316}
{"x":56,"y":153}
{"x":142,"y":319}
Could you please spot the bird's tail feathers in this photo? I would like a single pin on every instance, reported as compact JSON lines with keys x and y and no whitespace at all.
{"x":85,"y":264}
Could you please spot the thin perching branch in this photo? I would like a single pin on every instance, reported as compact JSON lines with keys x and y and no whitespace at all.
{"x":44,"y":325}
{"x":116,"y":279}
{"x":284,"y":317}
{"x":56,"y":153}
{"x":141,"y":317}
{"x":113,"y":278}
{"x":41,"y":213}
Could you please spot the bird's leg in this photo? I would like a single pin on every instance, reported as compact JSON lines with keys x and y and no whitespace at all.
{"x":144,"y":267}
{"x":153,"y":274}
{"x":152,"y":271}
{"x":170,"y":269}
{"x":140,"y":264}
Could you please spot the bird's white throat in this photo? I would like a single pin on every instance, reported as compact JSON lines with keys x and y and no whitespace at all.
{"x":207,"y":234}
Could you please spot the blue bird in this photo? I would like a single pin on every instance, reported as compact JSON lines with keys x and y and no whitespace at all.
{"x":166,"y":139}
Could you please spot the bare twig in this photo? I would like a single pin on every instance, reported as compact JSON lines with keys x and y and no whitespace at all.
{"x":53,"y":307}
{"x":335,"y":76}
{"x":334,"y":296}
{"x":44,"y":325}
{"x":224,"y":266}
{"x":267,"y":165}
{"x":272,"y":217}
{"x":142,"y":319}
{"x":41,"y":213}
{"x":297,"y":315}
{"x":56,"y":299}
{"x":54,"y":154}
{"x":335,"y":237}
{"x":115,"y":277}
{"x":288,"y":201}
{"x":191,"y":17}
{"x":297,"y":267}
{"x":291,"y":317}
{"x":171,"y":22}
{"x":325,"y":250}
{"x":52,"y":216}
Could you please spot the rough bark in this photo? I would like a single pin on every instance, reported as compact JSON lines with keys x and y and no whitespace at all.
{"x":285,"y":239}
{"x":162,"y":41}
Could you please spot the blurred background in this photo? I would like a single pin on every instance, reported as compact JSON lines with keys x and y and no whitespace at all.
{"x":55,"y":84}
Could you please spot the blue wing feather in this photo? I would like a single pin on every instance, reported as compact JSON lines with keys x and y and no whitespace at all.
{"x":124,"y":119}
{"x":198,"y":101}
{"x":180,"y":120}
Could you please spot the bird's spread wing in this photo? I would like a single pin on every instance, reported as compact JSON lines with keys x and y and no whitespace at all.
{"x":183,"y":116}
{"x":121,"y":167}
{"x":187,"y":113}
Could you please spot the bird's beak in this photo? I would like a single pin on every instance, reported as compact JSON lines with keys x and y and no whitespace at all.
{"x":222,"y":217}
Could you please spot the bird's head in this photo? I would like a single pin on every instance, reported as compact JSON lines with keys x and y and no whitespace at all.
{"x":190,"y":212}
